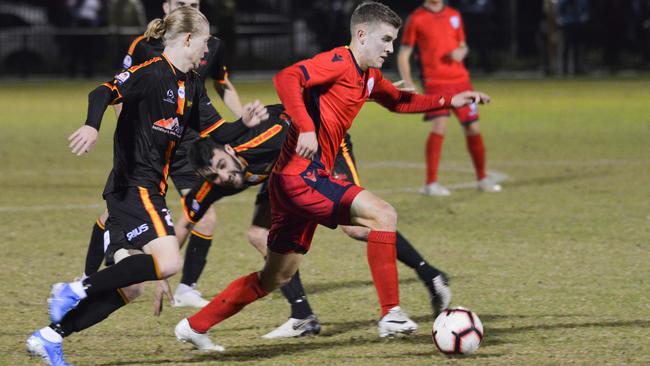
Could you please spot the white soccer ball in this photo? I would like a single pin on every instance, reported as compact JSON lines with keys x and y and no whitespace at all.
{"x":457,"y":331}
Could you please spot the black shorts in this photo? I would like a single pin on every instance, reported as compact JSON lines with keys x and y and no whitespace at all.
{"x":181,"y":171}
{"x":345,"y":164}
{"x":136,"y":216}
{"x":262,"y":194}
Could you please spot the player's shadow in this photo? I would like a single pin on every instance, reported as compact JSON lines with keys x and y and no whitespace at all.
{"x":555,"y":179}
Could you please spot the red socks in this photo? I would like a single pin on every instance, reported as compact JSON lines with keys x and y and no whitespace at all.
{"x":477,"y":152}
{"x":382,"y":255}
{"x":433,"y":152}
{"x":229,"y":302}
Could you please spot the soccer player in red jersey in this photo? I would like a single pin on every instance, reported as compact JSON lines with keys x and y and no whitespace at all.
{"x":437,"y":31}
{"x":323,"y":95}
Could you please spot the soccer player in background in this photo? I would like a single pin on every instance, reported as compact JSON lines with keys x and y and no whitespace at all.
{"x":323,"y":95}
{"x":147,"y":133}
{"x":212,"y":65}
{"x":437,"y":31}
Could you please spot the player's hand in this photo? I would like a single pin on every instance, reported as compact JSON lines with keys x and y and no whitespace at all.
{"x":404,"y":86}
{"x":254,"y":113}
{"x":307,"y":144}
{"x":82,"y":140}
{"x":458,"y":54}
{"x":469,"y":97}
{"x":162,"y":290}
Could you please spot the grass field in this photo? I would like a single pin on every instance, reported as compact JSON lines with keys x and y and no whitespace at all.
{"x":557,"y":266}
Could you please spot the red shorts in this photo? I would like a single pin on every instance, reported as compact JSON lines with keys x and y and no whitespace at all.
{"x":300,"y":202}
{"x":466,"y":114}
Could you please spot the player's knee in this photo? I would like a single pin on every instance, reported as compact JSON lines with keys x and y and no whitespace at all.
{"x":207,"y":223}
{"x":356,"y":232}
{"x":133,"y":292}
{"x":471,"y":129}
{"x":169,"y":265}
{"x":385,"y":217}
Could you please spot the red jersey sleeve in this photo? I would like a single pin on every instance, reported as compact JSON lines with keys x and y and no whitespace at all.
{"x":460,"y":33}
{"x":410,"y":34}
{"x":289,"y":83}
{"x":386,"y":94}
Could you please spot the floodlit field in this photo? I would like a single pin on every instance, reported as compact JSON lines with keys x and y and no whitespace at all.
{"x":557,"y":266}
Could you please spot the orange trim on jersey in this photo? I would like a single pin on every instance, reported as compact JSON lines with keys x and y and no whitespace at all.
{"x":180,"y":108}
{"x":216,"y":125}
{"x":155,"y":266}
{"x":134,"y":44}
{"x":135,"y":68}
{"x":259,"y":139}
{"x":187,"y":212}
{"x":168,"y":62}
{"x":153,"y":214}
{"x":168,"y":158}
{"x":206,"y":187}
{"x":100,"y":224}
{"x":123,"y":296}
{"x":350,"y":162}
{"x":202,"y":236}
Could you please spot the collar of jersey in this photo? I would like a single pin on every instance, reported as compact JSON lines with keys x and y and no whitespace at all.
{"x":355,"y":61}
{"x":444,"y":7}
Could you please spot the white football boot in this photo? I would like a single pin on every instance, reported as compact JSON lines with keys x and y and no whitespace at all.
{"x":435,"y":189}
{"x":295,"y":328}
{"x":396,"y":322}
{"x":488,"y":186}
{"x":186,"y":334}
{"x":439,"y":293}
{"x":188,"y":296}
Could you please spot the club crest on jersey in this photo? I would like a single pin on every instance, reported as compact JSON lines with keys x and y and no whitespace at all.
{"x":121,"y":78}
{"x":371,"y":84}
{"x":455,"y":21}
{"x":169,"y":126}
{"x":127,"y":62}
{"x":181,"y":92}
{"x":170,"y":97}
{"x":195,"y":205}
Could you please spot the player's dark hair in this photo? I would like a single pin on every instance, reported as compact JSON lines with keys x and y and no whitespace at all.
{"x":201,"y":152}
{"x":372,"y":11}
{"x":181,"y":20}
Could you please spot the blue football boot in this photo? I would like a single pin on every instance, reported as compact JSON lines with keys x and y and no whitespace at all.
{"x":50,"y":352}
{"x":61,"y":301}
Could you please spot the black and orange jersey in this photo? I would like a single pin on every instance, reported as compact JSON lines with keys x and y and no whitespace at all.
{"x":212,"y":64}
{"x":257,"y":149}
{"x":160,"y":103}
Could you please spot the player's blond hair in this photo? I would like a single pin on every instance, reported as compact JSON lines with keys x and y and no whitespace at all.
{"x":373,"y":11}
{"x":181,"y":20}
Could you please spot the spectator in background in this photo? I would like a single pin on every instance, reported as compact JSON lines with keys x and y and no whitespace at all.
{"x":478,"y":24}
{"x":127,"y":19}
{"x":571,"y":18}
{"x":85,"y":15}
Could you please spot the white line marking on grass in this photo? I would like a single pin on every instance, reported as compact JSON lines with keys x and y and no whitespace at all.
{"x":496,"y":177}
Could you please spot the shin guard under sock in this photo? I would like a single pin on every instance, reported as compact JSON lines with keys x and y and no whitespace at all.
{"x":381,"y":259}
{"x":90,"y":311}
{"x":195,"y":257}
{"x":95,"y":253}
{"x":432,"y":156}
{"x":477,"y":152}
{"x":295,"y":295}
{"x":408,"y":255}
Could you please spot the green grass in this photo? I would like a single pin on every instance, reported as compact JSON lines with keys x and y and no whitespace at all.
{"x":556,"y":266}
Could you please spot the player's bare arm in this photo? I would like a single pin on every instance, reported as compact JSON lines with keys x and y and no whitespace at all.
{"x":404,"y":66}
{"x":229,"y":95}
{"x":459,"y":53}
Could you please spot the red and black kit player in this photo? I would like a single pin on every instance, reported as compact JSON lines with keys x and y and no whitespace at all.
{"x":247,"y":161}
{"x":437,"y":31}
{"x":212,"y":66}
{"x":323,"y":95}
{"x":145,"y":140}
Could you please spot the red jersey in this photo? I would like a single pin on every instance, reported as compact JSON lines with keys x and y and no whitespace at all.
{"x":436,"y":34}
{"x":325,"y":93}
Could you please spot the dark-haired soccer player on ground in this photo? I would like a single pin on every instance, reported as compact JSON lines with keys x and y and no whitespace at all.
{"x":147,"y":133}
{"x":323,"y":95}
{"x":233,"y":168}
{"x":212,"y":66}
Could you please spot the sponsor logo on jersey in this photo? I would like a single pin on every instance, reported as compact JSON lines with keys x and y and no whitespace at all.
{"x":337,"y":58}
{"x":310,"y":176}
{"x":170,"y":97}
{"x":137,"y":232}
{"x":121,"y":78}
{"x":371,"y":84}
{"x":181,"y":92}
{"x":455,"y":21}
{"x":127,"y":62}
{"x":169,"y":126}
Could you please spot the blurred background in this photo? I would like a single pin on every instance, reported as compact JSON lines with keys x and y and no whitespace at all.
{"x":88,"y":38}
